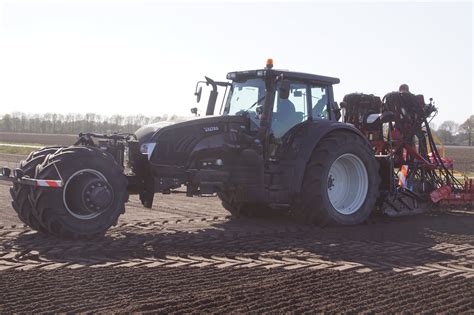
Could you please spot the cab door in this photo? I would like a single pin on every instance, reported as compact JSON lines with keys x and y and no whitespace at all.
{"x":290,"y":112}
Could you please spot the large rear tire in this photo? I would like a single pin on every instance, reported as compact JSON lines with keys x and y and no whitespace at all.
{"x":92,"y":198}
{"x":341,"y":182}
{"x":20,"y":200}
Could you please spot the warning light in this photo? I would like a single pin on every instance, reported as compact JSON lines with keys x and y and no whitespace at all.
{"x":269,"y":63}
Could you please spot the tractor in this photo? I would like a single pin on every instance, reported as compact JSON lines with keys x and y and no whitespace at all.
{"x":279,"y":143}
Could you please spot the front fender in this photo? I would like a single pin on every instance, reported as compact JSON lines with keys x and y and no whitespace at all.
{"x":299,"y":144}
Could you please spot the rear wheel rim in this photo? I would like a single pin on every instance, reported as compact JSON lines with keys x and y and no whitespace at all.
{"x":87,"y":194}
{"x":348,"y":184}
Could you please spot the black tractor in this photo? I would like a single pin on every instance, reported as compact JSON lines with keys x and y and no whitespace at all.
{"x":276,"y":145}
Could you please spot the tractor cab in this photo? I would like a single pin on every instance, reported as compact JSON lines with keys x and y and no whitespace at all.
{"x":275,"y":101}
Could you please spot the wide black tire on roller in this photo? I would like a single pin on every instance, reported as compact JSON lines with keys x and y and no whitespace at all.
{"x":20,"y":200}
{"x":92,"y":198}
{"x":341,"y":182}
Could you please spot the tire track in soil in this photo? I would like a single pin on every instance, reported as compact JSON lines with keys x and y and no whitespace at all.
{"x":206,"y":242}
{"x":223,"y":290}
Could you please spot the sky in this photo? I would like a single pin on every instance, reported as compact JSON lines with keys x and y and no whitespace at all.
{"x":145,"y":58}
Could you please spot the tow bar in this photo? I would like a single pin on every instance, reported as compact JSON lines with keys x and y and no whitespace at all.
{"x":17,"y":176}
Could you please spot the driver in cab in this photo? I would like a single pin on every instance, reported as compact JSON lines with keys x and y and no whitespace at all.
{"x":285,"y":117}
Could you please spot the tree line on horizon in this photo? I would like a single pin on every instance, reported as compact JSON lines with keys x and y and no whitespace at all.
{"x":74,"y":123}
{"x":448,"y":131}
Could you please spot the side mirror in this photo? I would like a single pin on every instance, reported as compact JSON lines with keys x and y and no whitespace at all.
{"x":198,"y":95}
{"x":259,"y":109}
{"x":284,"y":91}
{"x":194,"y":111}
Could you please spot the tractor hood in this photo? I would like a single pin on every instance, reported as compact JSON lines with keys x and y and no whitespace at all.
{"x":178,"y":144}
{"x":145,"y":133}
{"x":149,"y":133}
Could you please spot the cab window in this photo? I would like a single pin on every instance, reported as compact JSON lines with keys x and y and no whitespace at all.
{"x":244,"y":95}
{"x":290,"y":112}
{"x":319,"y":102}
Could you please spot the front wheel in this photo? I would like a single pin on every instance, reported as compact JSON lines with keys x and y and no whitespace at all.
{"x":92,"y":198}
{"x":341,"y":182}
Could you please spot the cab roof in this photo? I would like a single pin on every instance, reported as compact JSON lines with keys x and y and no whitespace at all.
{"x":315,"y":78}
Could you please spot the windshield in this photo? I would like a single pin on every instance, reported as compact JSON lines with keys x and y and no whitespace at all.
{"x":243,"y":95}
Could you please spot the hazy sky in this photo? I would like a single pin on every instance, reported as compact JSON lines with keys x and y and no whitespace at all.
{"x":145,"y":58}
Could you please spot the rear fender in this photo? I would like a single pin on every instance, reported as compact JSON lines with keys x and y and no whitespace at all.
{"x":301,"y":142}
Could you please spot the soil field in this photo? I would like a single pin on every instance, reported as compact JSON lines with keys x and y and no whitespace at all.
{"x":37,"y":138}
{"x":463,"y":158}
{"x":187,"y":255}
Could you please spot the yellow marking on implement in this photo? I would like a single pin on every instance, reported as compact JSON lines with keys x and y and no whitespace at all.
{"x":439,"y":144}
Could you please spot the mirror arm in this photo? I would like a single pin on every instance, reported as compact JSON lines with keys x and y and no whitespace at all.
{"x":220,"y":83}
{"x":211,"y":104}
{"x":197,"y":86}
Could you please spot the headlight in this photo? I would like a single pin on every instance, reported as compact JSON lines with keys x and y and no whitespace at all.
{"x":147,"y":148}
